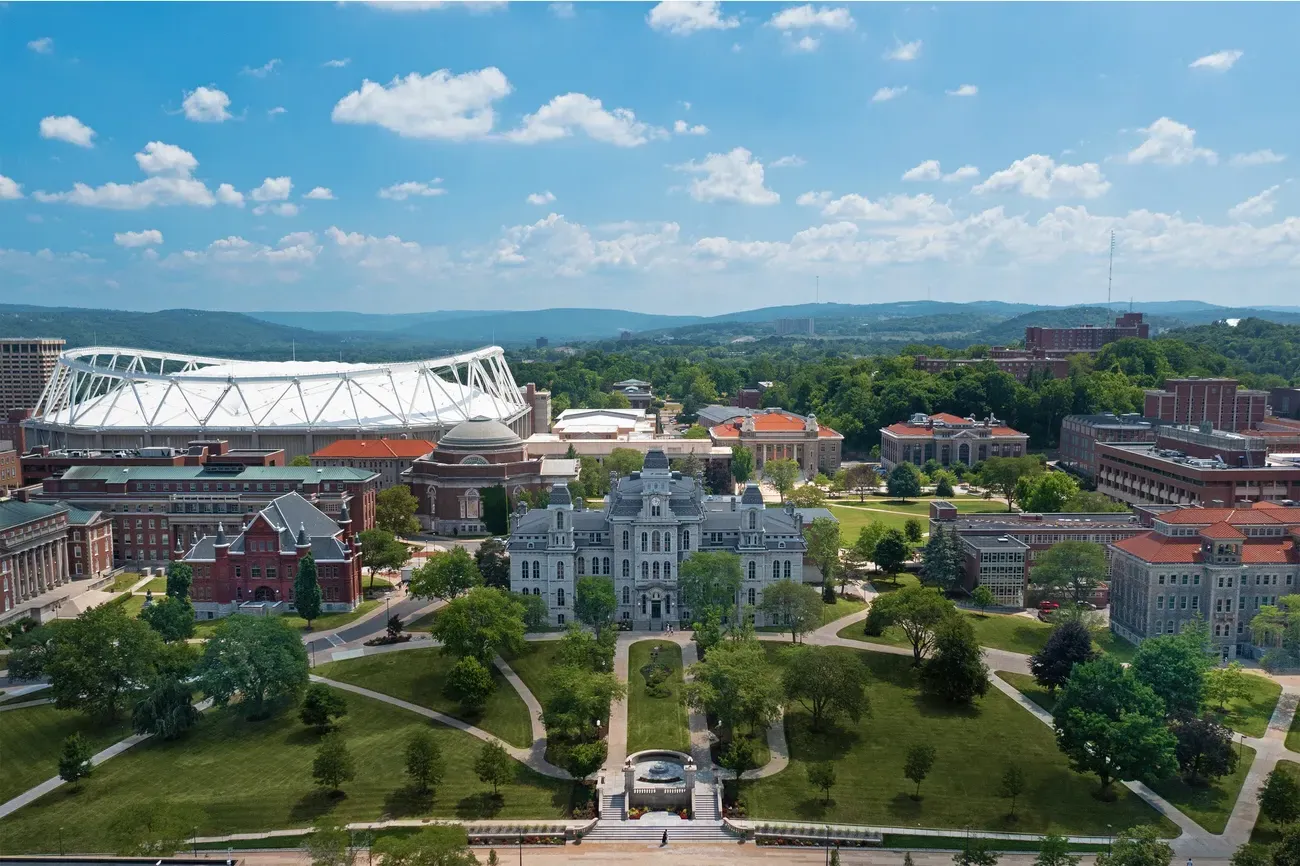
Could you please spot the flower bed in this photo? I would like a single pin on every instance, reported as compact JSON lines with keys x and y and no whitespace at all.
{"x":514,"y":838}
{"x":635,"y":813}
{"x":800,"y":840}
{"x":385,"y":640}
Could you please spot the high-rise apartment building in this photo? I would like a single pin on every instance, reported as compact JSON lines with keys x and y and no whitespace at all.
{"x":25,"y":367}
{"x":1219,"y":401}
{"x":1087,"y":338}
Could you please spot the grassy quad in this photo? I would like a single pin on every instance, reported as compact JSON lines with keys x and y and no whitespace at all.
{"x":656,"y":722}
{"x":921,"y":507}
{"x":157,"y":586}
{"x":420,"y":675}
{"x":31,"y":740}
{"x":1250,"y":714}
{"x":1029,"y":687}
{"x":533,"y":664}
{"x":974,"y":745}
{"x":1265,"y":832}
{"x":1018,"y":634}
{"x":324,"y":622}
{"x":124,"y":581}
{"x":229,"y":775}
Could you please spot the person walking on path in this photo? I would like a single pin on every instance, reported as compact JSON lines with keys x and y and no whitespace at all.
{"x":664,"y":843}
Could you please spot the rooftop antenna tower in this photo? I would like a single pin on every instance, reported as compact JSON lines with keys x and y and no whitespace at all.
{"x":817,"y":291}
{"x":1110,"y":268}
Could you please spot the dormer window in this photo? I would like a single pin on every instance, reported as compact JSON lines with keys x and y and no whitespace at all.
{"x":753,"y":520}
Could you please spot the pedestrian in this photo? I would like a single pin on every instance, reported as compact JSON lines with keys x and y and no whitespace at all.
{"x":665,"y":840}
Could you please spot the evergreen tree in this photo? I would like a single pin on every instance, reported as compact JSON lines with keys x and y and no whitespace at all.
{"x":1070,"y":643}
{"x":306,"y":590}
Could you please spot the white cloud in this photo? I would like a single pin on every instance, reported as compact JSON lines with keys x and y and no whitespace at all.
{"x":885,"y":94}
{"x":261,"y":71}
{"x":160,"y":158}
{"x":206,"y":105}
{"x":964,"y":90}
{"x":437,"y":105}
{"x":1257,"y":157}
{"x":146,"y":238}
{"x":1039,"y":176}
{"x":279,"y":109}
{"x":560,"y":117}
{"x":284,"y":209}
{"x":298,"y":249}
{"x":227,"y":194}
{"x":272,"y":189}
{"x":320,"y":193}
{"x":10,"y":189}
{"x":683,"y":17}
{"x":403,"y":191}
{"x":814,"y":199}
{"x":889,"y":209}
{"x":562,"y":10}
{"x":735,"y":177}
{"x":928,"y":170}
{"x":44,"y":45}
{"x":1169,"y":142}
{"x":390,"y":258}
{"x":67,"y":128}
{"x":1256,"y":206}
{"x":1219,"y":61}
{"x":807,"y":44}
{"x":808,"y":17}
{"x":904,"y":51}
{"x":560,"y":248}
{"x":338,"y":63}
{"x":791,"y":161}
{"x":541,"y":198}
{"x":158,"y":190}
{"x":681,"y":127}
{"x":966,"y":172}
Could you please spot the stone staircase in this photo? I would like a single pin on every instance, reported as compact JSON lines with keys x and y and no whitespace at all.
{"x":611,"y":806}
{"x":635,"y":831}
{"x":706,"y":804}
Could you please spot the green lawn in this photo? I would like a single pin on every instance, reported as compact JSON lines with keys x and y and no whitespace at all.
{"x":1018,"y":634}
{"x":31,"y":740}
{"x":420,"y":675}
{"x":124,"y":581}
{"x":921,"y":507}
{"x":1208,"y":805}
{"x":157,"y":586}
{"x":1108,"y":642}
{"x":229,"y":775}
{"x":1027,"y":686}
{"x":331,"y":621}
{"x":131,"y":604}
{"x":853,"y":519}
{"x":975,"y":745}
{"x":656,"y":722}
{"x":1250,"y":714}
{"x":882,"y":584}
{"x":1265,"y":832}
{"x":843,"y":607}
{"x":533,"y":664}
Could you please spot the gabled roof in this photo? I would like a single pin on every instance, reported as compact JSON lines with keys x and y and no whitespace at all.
{"x":1232,"y":516}
{"x":14,"y":512}
{"x":1223,"y":531}
{"x":770,"y":421}
{"x":377,"y":449}
{"x":1162,"y":550}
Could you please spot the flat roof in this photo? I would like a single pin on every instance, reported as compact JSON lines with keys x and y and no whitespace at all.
{"x":222,"y":472}
{"x":995,"y":542}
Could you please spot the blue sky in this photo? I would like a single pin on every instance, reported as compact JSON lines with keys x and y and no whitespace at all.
{"x":685,"y":157}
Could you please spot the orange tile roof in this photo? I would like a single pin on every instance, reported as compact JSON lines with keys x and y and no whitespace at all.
{"x":770,"y":422}
{"x":949,"y":418}
{"x":377,"y":449}
{"x":1234,"y":516}
{"x":1161,"y":550}
{"x":1222,"y":531}
{"x":902,"y":428}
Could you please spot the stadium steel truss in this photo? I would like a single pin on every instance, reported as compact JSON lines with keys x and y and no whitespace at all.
{"x":111,"y":397}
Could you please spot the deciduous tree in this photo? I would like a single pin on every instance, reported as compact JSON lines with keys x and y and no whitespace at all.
{"x":180,"y":576}
{"x":920,"y":758}
{"x":892,"y":552}
{"x":862,"y":479}
{"x":1174,"y":667}
{"x":74,"y":761}
{"x":823,"y":540}
{"x":807,"y":496}
{"x":793,"y":605}
{"x":1013,"y":785}
{"x":1139,"y":846}
{"x":821,"y":774}
{"x":904,"y":481}
{"x":171,"y":616}
{"x":594,"y":602}
{"x":333,"y":764}
{"x":1204,"y":749}
{"x":737,"y":685}
{"x":710,"y":581}
{"x":494,"y":766}
{"x":1279,"y":799}
{"x":330,"y":846}
{"x":446,"y":575}
{"x":1070,"y":643}
{"x":99,"y":658}
{"x":165,"y":709}
{"x":481,"y":623}
{"x":424,"y":764}
{"x":257,"y":659}
{"x":1225,"y":685}
{"x":470,"y":683}
{"x":742,"y":463}
{"x":1054,"y":850}
{"x":395,"y":510}
{"x":381,"y":551}
{"x":1070,"y":569}
{"x":320,"y":706}
{"x":432,"y":846}
{"x":913,"y":531}
{"x":494,"y":563}
{"x":782,"y":472}
{"x":827,"y":682}
{"x":917,"y":611}
{"x":1002,"y":474}
{"x":955,"y":671}
{"x":976,"y":852}
{"x":1045,"y":492}
{"x":982,"y":597}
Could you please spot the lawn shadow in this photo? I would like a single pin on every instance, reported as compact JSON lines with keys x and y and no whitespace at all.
{"x":313,"y":805}
{"x":904,"y":808}
{"x":814,"y":808}
{"x":832,"y":743}
{"x":928,"y":705}
{"x":408,"y":801}
{"x":476,"y":807}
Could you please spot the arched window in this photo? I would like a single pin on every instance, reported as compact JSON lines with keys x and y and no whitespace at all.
{"x":559,"y":520}
{"x":686,"y":539}
{"x":626,"y":539}
{"x":537,"y":590}
{"x":654,"y":541}
{"x":559,"y":596}
{"x":752,"y":595}
{"x":537,"y":570}
{"x":668,"y":603}
{"x":787,"y":569}
{"x":559,"y":571}
{"x":474,"y":460}
{"x":595,"y":565}
{"x":643,"y":600}
{"x":605,"y":569}
{"x":627,"y":568}
{"x":753,"y":520}
{"x":668,"y":571}
{"x":582,"y":565}
{"x":645,"y":541}
{"x":656,"y":571}
{"x":668,"y":542}
{"x":776,"y":570}
{"x":645,"y":571}
{"x":627,"y":595}
{"x":654,"y":509}
{"x":753,"y":571}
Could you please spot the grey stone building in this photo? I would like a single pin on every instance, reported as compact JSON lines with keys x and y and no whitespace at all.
{"x":652,"y":521}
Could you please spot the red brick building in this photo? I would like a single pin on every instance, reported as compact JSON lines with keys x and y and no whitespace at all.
{"x":1087,"y":338}
{"x":389,"y":457}
{"x":33,"y":552}
{"x":90,"y":543}
{"x":1019,"y":364}
{"x":1218,"y":401}
{"x":44,"y":462}
{"x":949,"y":439}
{"x":254,"y":569}
{"x":10,"y":468}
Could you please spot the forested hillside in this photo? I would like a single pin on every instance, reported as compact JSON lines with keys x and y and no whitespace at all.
{"x":1256,"y":344}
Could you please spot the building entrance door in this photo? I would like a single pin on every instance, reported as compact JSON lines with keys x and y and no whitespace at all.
{"x":656,"y":609}
{"x":264,"y":593}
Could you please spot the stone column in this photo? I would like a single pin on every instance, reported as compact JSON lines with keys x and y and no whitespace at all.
{"x":689,"y":771}
{"x":629,"y":782}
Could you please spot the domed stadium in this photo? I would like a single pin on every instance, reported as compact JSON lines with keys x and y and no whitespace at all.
{"x":116,"y":398}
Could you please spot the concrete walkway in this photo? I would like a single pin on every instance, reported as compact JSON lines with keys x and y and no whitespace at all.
{"x":534,"y":757}
{"x":22,"y":705}
{"x":530,"y":701}
{"x":616,"y":739}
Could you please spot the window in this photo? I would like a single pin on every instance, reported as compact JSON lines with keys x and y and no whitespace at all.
{"x":645,"y":571}
{"x":559,"y":596}
{"x":753,"y":520}
{"x":787,"y":569}
{"x":1241,"y":627}
{"x":655,"y":508}
{"x":1228,"y":606}
{"x":752,"y":596}
{"x":668,"y":542}
{"x":1196,"y":602}
{"x":626,"y":539}
{"x":537,"y":570}
{"x":1161,"y":580}
{"x":627,"y":568}
{"x":582,"y":566}
{"x":654,"y":541}
{"x":644,"y":542}
{"x":643,"y":599}
{"x":753,"y":571}
{"x":627,"y":595}
{"x":559,"y":520}
{"x":656,"y":571}
{"x":1182,"y":602}
{"x":559,"y":571}
{"x":559,"y":618}
{"x":1196,"y":580}
{"x":686,"y":541}
{"x":1218,"y":605}
{"x":1160,"y":627}
{"x":668,"y":571}
{"x":1169,"y":626}
{"x":595,"y":565}
{"x":537,"y":590}
{"x":776,"y":570}
{"x":605,"y":569}
{"x":1160,"y":602}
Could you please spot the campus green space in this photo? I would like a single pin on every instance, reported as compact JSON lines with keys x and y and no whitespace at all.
{"x":1209,"y":805}
{"x":229,"y":775}
{"x":1029,"y":687}
{"x":829,"y":613}
{"x":853,"y":519}
{"x":1250,"y":713}
{"x":157,"y":586}
{"x":124,"y":581}
{"x":1293,"y":735}
{"x":31,"y":740}
{"x":1018,"y":634}
{"x":532,"y":665}
{"x":1265,"y":832}
{"x":420,"y":675}
{"x":974,"y":747}
{"x":656,"y":722}
{"x":921,"y":507}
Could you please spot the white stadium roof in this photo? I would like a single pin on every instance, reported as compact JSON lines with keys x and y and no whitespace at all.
{"x":128,"y":390}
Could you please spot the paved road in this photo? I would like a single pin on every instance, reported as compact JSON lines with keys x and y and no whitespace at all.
{"x":373,"y":624}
